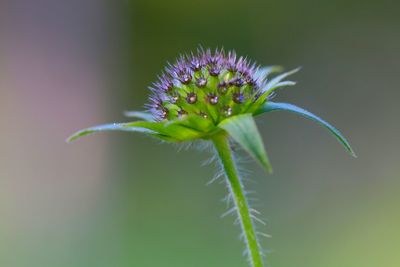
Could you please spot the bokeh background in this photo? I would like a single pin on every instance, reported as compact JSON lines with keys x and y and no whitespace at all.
{"x":123,"y":199}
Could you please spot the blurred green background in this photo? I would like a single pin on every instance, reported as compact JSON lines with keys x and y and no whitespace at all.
{"x":126,"y":200}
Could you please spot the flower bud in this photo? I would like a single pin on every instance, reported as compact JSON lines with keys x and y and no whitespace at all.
{"x":211,"y":85}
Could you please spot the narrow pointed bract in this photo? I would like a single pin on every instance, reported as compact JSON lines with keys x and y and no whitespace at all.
{"x":272,"y":106}
{"x":243,"y":130}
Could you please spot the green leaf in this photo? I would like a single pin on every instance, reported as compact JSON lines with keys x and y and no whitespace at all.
{"x":146,"y":116}
{"x":271,"y":106}
{"x":243,"y":130}
{"x":110,"y":127}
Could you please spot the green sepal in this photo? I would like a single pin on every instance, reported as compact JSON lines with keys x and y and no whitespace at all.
{"x":243,"y":129}
{"x":143,"y":115}
{"x":272,"y":106}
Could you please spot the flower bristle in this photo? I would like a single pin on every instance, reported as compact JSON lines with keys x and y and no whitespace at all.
{"x":213,"y":85}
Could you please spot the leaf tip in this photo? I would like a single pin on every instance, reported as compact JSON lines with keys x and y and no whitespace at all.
{"x":352,"y":152}
{"x":268,"y":168}
{"x":346,"y":144}
{"x":78,"y":135}
{"x":71,"y":139}
{"x":264,"y":161}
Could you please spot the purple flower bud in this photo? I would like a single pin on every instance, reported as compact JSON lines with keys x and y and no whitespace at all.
{"x":214,"y":70}
{"x":195,"y":63}
{"x":191,"y":98}
{"x":201,"y":82}
{"x":238,"y":98}
{"x":238,"y":82}
{"x":174,"y":98}
{"x":212,"y":99}
{"x":231,"y":61}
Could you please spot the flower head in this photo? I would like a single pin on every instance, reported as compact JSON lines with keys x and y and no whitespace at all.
{"x":214,"y":86}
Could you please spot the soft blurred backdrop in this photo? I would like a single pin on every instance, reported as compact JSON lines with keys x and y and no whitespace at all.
{"x":124,"y":200}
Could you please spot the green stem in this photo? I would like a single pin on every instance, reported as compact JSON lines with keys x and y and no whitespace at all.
{"x":221,"y":144}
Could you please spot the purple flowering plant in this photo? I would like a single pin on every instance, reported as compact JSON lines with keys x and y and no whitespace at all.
{"x":214,"y":97}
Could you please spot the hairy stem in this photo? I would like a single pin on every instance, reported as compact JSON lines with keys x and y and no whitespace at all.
{"x":221,"y":144}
